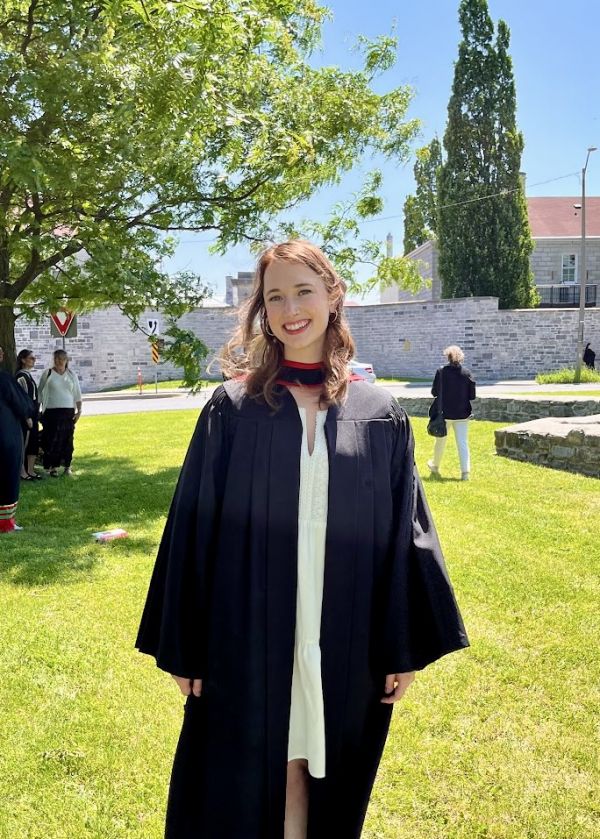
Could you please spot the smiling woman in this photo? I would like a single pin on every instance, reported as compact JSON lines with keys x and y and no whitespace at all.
{"x":298,"y":303}
{"x":298,"y":309}
{"x":299,"y":583}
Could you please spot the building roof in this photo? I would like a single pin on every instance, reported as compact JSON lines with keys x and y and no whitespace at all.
{"x":557,"y":218}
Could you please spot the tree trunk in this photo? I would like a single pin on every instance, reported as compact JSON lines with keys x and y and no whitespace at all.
{"x":7,"y":337}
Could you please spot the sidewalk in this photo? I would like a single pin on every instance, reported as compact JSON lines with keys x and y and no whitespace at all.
{"x":124,"y":402}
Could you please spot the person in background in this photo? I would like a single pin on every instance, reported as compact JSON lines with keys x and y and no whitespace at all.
{"x":60,"y":398}
{"x":25,"y":364}
{"x":457,"y":390}
{"x":16,"y":409}
{"x":589,"y":357}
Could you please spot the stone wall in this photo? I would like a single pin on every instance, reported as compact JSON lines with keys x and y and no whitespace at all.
{"x":568,"y":444}
{"x":503,"y":409}
{"x":408,"y":338}
{"x":399,"y":339}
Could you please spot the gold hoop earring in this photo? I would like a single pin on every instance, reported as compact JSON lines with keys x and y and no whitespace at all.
{"x":335,"y":317}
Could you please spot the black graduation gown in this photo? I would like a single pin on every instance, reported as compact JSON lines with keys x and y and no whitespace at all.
{"x":15,"y":408}
{"x":222,"y":601}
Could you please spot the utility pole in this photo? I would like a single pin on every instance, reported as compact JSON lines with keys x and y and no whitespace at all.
{"x":582,"y":276}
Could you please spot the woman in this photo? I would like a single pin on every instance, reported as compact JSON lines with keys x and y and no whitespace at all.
{"x":589,"y":357}
{"x":299,"y":582}
{"x":25,"y":364}
{"x":15,"y":409}
{"x":60,"y":397}
{"x":453,"y":388}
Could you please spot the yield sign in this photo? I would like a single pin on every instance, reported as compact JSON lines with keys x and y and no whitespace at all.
{"x":62,"y":321}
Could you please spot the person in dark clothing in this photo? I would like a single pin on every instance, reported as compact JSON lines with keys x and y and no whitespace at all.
{"x":453,"y":388}
{"x":16,"y":409}
{"x":25,"y":364}
{"x":589,"y":357}
{"x":299,"y":582}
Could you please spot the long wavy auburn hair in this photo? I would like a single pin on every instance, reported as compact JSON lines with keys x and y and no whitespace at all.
{"x":255,"y":354}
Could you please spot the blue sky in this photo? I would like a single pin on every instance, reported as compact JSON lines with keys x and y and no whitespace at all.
{"x":555,"y":49}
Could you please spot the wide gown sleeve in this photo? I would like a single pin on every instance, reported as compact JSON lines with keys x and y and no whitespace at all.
{"x":421,"y":618}
{"x":17,"y":400}
{"x":174,"y":620}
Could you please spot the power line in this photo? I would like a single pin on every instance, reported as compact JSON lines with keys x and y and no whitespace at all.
{"x":503,"y":192}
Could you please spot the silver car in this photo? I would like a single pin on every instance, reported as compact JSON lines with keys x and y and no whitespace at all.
{"x":365,"y":371}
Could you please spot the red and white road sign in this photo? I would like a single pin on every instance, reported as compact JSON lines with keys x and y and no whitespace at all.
{"x":62,"y":320}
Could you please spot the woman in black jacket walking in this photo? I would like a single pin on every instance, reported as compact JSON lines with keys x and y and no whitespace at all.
{"x":454,"y":387}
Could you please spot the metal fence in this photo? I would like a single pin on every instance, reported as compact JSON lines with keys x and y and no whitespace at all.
{"x":566,"y":295}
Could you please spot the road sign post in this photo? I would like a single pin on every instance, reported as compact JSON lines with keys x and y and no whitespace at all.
{"x":63,"y":324}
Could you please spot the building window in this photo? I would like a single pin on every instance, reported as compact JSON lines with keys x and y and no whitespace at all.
{"x":569,"y":268}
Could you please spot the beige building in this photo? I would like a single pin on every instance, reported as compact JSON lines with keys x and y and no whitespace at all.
{"x":238,"y":289}
{"x":555,"y":261}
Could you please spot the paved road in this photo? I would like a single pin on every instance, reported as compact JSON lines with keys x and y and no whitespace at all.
{"x":119,"y":402}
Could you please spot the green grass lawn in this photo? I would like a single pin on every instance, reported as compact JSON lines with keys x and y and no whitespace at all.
{"x":543,"y":393}
{"x":148,"y":385}
{"x":495,"y":742}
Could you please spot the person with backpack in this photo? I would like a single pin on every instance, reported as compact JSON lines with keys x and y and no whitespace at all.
{"x":60,"y":398}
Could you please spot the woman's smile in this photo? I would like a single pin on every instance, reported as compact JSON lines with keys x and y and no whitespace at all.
{"x":293,"y":327}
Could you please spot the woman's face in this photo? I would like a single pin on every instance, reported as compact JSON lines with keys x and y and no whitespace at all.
{"x":60,"y":364}
{"x":298,"y":309}
{"x":29,"y":362}
{"x":1,"y":354}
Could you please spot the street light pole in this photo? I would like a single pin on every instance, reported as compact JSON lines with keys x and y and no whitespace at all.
{"x":582,"y":275}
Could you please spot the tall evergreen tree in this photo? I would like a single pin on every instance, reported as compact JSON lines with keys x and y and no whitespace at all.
{"x":420,"y":210}
{"x":483,"y":230}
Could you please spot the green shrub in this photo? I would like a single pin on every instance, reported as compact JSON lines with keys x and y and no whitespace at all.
{"x":566,"y":376}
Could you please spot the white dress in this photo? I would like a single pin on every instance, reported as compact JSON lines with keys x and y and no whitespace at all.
{"x":307,"y":717}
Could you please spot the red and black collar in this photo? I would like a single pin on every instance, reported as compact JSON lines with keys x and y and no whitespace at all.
{"x":299,"y":373}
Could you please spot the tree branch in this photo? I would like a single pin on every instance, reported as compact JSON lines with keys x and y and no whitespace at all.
{"x":30,"y":24}
{"x":37,"y":267}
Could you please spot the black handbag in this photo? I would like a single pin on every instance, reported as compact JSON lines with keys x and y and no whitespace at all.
{"x":436,"y":426}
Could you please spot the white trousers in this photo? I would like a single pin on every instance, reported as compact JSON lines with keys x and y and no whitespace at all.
{"x":461,"y":436}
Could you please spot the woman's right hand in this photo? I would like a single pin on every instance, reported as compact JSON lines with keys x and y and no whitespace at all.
{"x":187,"y":686}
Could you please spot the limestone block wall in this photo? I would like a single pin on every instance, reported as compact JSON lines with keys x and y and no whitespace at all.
{"x":398,"y":338}
{"x":504,"y":409}
{"x":107,"y":353}
{"x":409,"y":338}
{"x":572,"y":445}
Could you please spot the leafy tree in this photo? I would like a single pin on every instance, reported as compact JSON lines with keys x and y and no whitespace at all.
{"x":123,"y":122}
{"x":420,"y":210}
{"x":483,"y":230}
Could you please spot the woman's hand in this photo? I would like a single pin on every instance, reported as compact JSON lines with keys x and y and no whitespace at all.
{"x":187,"y":686}
{"x":396,"y":686}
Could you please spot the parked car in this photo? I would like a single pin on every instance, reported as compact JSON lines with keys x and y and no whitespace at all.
{"x":365,"y":371}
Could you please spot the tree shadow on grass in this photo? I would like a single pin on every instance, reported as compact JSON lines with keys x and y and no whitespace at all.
{"x":59,"y":516}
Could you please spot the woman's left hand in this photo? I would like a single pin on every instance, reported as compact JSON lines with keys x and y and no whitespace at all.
{"x":396,"y":686}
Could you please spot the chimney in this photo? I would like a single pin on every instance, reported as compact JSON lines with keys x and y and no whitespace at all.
{"x":389,"y":245}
